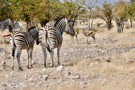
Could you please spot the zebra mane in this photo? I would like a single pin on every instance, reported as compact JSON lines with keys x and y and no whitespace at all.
{"x":59,"y":18}
{"x":31,"y":28}
{"x":44,"y":22}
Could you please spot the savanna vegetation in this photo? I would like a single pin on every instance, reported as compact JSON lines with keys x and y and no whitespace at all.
{"x":106,"y":62}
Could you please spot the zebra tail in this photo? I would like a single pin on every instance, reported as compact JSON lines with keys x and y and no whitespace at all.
{"x":48,"y":43}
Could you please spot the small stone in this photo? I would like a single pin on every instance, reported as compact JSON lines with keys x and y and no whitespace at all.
{"x":77,"y":76}
{"x":91,"y":65}
{"x":46,"y":85}
{"x":32,"y":79}
{"x":1,"y":68}
{"x":45,"y":77}
{"x":31,"y":84}
{"x":44,"y":70}
{"x":25,"y":75}
{"x":6,"y":75}
{"x":12,"y":74}
{"x":60,"y":68}
{"x":60,"y":80}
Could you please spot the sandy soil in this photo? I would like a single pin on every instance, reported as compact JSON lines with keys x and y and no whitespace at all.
{"x":105,"y":64}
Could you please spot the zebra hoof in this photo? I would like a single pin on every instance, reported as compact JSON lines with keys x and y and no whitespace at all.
{"x":20,"y":69}
{"x":45,"y":66}
{"x":28,"y":67}
{"x":59,"y":63}
{"x":53,"y":65}
{"x":13,"y":68}
{"x":31,"y":66}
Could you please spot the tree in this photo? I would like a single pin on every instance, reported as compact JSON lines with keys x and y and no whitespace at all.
{"x":5,"y":9}
{"x":34,"y":11}
{"x":131,"y":11}
{"x":90,"y":7}
{"x":120,"y":14}
{"x":73,"y":8}
{"x":105,"y":13}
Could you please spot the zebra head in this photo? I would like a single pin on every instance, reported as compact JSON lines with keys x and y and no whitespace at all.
{"x":35,"y":34}
{"x":69,"y":26}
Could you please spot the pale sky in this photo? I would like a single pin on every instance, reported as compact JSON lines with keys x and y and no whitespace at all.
{"x":100,"y":2}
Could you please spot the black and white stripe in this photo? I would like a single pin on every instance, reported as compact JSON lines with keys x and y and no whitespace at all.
{"x":50,"y":36}
{"x":23,"y":40}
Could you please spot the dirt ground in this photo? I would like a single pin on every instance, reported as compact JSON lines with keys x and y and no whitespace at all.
{"x":105,"y":64}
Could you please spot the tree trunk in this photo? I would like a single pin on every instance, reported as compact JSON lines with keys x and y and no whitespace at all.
{"x":89,"y":24}
{"x":120,"y":27}
{"x":131,"y":23}
{"x":109,"y":25}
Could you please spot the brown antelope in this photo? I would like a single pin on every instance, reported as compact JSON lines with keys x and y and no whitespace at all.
{"x":89,"y":34}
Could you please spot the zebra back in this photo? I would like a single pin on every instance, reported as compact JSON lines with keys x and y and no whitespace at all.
{"x":24,"y":40}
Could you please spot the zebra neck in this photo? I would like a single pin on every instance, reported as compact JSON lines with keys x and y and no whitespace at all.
{"x":32,"y":35}
{"x":61,"y":27}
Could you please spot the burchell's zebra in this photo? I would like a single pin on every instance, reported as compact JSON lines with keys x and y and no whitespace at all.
{"x":23,"y":40}
{"x":50,"y":37}
{"x":5,"y":24}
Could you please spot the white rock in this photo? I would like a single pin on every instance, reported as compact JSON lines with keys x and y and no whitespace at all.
{"x":32,"y":79}
{"x":25,"y":75}
{"x":12,"y":74}
{"x":44,"y":70}
{"x":60,"y":68}
{"x":45,"y":77}
{"x":60,"y":81}
{"x":31,"y":84}
{"x":91,"y":65}
{"x":77,"y":76}
{"x":68,"y":73}
{"x":6,"y":75}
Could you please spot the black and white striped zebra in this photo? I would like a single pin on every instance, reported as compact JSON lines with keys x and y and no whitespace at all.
{"x":5,"y":24}
{"x":23,"y":40}
{"x":50,"y":37}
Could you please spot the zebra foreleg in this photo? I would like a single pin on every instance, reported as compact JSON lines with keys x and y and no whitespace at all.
{"x":58,"y":54}
{"x":18,"y":59}
{"x":13,"y":56}
{"x":31,"y":50}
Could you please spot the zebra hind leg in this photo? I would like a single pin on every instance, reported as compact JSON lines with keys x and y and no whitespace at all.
{"x":44,"y":52}
{"x":13,"y":57}
{"x":28,"y":51}
{"x":52,"y":53}
{"x":58,"y":54}
{"x":31,"y":57}
{"x":18,"y":59}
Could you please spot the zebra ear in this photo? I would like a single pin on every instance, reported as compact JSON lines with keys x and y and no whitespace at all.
{"x":66,"y":20}
{"x":37,"y":27}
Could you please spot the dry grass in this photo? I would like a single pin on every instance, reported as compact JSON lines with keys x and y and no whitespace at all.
{"x":96,"y":72}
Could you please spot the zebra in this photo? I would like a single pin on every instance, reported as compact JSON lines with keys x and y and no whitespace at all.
{"x":5,"y":24}
{"x":23,"y":40}
{"x":50,"y":36}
